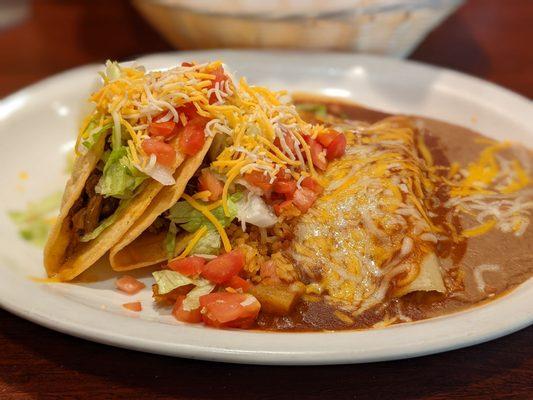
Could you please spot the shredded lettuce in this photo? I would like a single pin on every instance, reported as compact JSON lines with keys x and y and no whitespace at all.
{"x":116,"y":137}
{"x":168,"y":280}
{"x":192,"y":300}
{"x":99,"y":229}
{"x":94,"y":133}
{"x":120,"y":178}
{"x":209,"y":243}
{"x":170,"y":240}
{"x":112,"y":70}
{"x":35,"y":222}
{"x":190,"y":219}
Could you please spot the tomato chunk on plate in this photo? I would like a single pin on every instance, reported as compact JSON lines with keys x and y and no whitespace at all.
{"x":220,"y":76}
{"x":226,"y":309}
{"x":129,"y":284}
{"x":190,"y":316}
{"x":135,"y":306}
{"x":237,"y":282}
{"x":224,"y":267}
{"x":188,"y":266}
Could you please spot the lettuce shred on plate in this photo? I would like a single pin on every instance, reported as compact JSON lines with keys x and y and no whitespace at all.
{"x":35,"y":221}
{"x":167,"y":281}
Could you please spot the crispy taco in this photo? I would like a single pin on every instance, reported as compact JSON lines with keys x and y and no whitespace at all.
{"x":259,"y":138}
{"x":145,"y":130}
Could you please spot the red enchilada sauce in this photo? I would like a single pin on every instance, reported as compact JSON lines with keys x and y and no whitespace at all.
{"x":447,"y":143}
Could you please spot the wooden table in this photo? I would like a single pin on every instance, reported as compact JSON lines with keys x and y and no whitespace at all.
{"x":487,"y":38}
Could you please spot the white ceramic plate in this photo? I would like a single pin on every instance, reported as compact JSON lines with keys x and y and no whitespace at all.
{"x":37,"y":129}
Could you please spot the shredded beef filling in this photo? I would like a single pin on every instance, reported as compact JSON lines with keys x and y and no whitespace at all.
{"x":89,"y":210}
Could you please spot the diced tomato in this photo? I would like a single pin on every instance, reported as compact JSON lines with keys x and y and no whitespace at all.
{"x":310,"y":183}
{"x":327,"y":137}
{"x":129,"y":284}
{"x":163,"y":129}
{"x":212,"y":297}
{"x":192,"y":136}
{"x":276,"y":198}
{"x":188,"y":266}
{"x":219,"y":77}
{"x":226,"y":309}
{"x":208,"y":181}
{"x":258,"y":179}
{"x":134,"y":306}
{"x":267,"y":195}
{"x":279,"y":207}
{"x":158,"y":117}
{"x":224,"y":267}
{"x":192,"y":316}
{"x":289,"y":141}
{"x":236,"y":282}
{"x":337,"y":147}
{"x":189,"y":110}
{"x":304,"y":198}
{"x":317,"y":154}
{"x":286,"y":187}
{"x":164,"y":152}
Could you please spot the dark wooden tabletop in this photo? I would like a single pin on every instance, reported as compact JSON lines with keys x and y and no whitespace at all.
{"x":487,"y":38}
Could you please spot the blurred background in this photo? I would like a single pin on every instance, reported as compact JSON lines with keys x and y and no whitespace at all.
{"x":486,"y":38}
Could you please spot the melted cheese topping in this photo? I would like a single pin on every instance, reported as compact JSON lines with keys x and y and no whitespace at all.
{"x":367,"y":237}
{"x":365,"y":231}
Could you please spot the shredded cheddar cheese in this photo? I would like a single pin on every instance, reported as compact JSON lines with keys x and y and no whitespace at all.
{"x":258,"y":123}
{"x":479,"y":230}
{"x":488,"y":190}
{"x":194,"y":240}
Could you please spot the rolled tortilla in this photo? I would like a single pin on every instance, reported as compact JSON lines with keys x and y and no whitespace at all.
{"x":369,"y":236}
